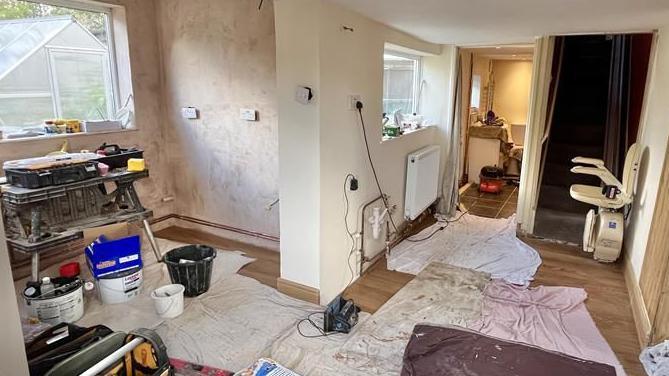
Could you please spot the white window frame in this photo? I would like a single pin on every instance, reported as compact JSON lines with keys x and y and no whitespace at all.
{"x":111,"y":61}
{"x":417,"y":74}
{"x":53,"y":77}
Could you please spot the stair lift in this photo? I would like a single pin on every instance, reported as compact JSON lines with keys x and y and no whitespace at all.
{"x":603,"y":233}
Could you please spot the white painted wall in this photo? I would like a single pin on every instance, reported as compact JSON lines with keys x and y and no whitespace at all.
{"x":12,"y":352}
{"x":314,"y":49}
{"x":297,"y":63}
{"x":653,"y":142}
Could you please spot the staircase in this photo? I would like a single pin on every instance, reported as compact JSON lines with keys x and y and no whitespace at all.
{"x":578,"y":129}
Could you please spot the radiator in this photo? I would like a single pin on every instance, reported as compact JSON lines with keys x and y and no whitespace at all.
{"x":422,"y":185}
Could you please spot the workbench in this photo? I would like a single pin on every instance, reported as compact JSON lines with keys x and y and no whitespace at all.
{"x":39,"y":219}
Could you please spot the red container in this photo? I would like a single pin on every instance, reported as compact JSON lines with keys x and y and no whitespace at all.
{"x":70,"y":270}
{"x":491,"y":185}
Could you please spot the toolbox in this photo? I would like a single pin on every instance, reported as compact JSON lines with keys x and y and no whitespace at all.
{"x":116,"y":157}
{"x":32,"y":179}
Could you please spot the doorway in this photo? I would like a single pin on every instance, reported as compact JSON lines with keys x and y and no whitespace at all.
{"x":594,"y":111}
{"x":494,"y":121}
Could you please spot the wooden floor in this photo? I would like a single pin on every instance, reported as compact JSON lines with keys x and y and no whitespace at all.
{"x":607,"y":302}
{"x":265,"y":269}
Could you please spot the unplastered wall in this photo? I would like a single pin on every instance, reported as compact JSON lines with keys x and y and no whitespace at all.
{"x":219,"y":56}
{"x":143,"y":55}
{"x":511,"y":96}
{"x":336,"y":62}
{"x":652,"y":140}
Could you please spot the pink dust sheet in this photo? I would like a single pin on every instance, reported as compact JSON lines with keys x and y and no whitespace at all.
{"x":553,"y":318}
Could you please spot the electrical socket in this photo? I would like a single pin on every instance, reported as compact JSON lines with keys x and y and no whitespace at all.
{"x":353,"y":99}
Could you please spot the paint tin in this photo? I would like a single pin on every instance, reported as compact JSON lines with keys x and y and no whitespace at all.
{"x":67,"y":307}
{"x":120,"y":287}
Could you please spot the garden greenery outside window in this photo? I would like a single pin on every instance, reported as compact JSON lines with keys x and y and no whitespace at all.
{"x":56,"y":62}
{"x":401,"y":77}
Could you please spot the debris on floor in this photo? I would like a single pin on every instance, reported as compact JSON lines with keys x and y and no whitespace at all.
{"x":469,"y":241}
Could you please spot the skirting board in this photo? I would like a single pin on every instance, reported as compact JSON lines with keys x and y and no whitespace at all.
{"x":298,"y":291}
{"x":641,"y":319}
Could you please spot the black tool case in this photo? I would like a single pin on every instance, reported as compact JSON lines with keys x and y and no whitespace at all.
{"x":32,"y":179}
{"x":117,"y":157}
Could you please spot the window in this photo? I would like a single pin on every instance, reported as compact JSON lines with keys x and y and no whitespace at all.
{"x":401,"y":75}
{"x":56,"y":62}
{"x":476,"y":92}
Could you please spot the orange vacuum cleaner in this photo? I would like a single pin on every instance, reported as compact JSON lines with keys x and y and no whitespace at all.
{"x":491,"y":179}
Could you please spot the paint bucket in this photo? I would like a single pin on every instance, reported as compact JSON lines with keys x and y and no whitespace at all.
{"x":67,"y":307}
{"x":169,"y":300}
{"x":120,"y":287}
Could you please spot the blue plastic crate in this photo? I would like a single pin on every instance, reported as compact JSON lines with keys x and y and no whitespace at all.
{"x":106,"y":256}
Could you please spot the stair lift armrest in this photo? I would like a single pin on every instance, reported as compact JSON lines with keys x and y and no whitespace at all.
{"x":602,"y":173}
{"x":589,"y":161}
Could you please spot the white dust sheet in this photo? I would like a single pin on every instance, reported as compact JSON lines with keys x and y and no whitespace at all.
{"x":439,"y":295}
{"x":139,"y":312}
{"x":483,"y":244}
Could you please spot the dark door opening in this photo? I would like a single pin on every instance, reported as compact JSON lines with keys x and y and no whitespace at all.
{"x":597,"y":96}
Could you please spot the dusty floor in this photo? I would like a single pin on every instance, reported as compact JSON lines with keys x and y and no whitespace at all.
{"x":608,"y":300}
{"x":491,"y":205}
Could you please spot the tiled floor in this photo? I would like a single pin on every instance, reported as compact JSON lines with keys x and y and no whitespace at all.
{"x":491,"y":205}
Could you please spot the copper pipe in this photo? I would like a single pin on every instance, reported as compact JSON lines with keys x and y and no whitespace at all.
{"x":216,"y":225}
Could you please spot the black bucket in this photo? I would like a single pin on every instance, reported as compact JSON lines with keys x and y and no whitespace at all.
{"x":191,"y":266}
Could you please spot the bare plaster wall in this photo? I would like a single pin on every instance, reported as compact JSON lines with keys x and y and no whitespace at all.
{"x":144,"y":58}
{"x":219,"y":56}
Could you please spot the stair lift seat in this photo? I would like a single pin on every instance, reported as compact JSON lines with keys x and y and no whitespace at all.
{"x":603,"y":233}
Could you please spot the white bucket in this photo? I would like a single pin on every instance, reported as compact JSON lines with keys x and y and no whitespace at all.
{"x":68,"y":307}
{"x":120,"y":287}
{"x":169,"y":300}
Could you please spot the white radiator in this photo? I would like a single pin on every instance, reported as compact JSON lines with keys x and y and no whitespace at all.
{"x":422,"y":186}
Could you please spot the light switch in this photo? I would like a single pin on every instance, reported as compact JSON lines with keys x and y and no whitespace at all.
{"x":190,"y":113}
{"x":248,"y":114}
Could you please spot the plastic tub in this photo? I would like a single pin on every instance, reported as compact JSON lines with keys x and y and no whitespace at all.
{"x":169,"y":300}
{"x":191,"y":266}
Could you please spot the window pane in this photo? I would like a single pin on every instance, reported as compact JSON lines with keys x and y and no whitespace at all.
{"x":80,"y":78}
{"x":476,"y":91}
{"x":22,"y":112}
{"x":399,"y":84}
{"x":54,"y":63}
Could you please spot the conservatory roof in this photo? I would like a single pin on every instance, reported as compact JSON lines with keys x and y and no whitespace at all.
{"x":19,"y":39}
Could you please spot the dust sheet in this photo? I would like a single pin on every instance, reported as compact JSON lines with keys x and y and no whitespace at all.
{"x":484,"y":244}
{"x":553,"y":318}
{"x":233,"y":324}
{"x":440,"y":294}
{"x":139,"y":312}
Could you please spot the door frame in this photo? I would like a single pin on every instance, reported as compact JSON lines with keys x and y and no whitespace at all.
{"x":528,"y":192}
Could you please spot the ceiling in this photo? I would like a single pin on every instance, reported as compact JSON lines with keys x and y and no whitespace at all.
{"x":504,"y":52}
{"x":471,"y":22}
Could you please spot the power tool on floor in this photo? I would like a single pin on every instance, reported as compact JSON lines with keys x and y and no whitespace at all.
{"x":340,"y":315}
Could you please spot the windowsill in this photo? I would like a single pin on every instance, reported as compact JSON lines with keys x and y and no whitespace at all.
{"x":419,"y":130}
{"x":61,"y":136}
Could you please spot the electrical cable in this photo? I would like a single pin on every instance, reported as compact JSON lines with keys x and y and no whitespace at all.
{"x":348,"y":231}
{"x":447,"y":222}
{"x":371,"y":163}
{"x":308,"y":319}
